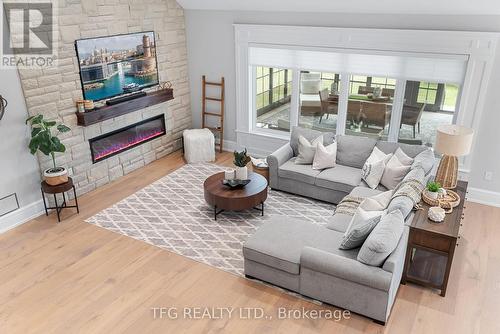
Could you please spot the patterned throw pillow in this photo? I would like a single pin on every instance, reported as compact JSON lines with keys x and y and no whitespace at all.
{"x":362,"y":223}
{"x":373,"y":169}
{"x":307,"y":150}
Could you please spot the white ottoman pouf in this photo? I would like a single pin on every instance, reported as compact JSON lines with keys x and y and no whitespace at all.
{"x":199,"y":145}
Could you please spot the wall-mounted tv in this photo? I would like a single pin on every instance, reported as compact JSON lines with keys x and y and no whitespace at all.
{"x":116,"y":65}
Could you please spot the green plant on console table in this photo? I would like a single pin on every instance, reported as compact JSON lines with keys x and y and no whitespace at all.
{"x":241,"y":159}
{"x":44,"y":140}
{"x":433,"y":186}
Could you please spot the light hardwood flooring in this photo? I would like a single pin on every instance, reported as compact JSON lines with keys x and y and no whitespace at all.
{"x":75,"y":277}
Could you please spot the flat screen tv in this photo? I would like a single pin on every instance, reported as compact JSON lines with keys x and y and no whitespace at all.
{"x":117,"y":65}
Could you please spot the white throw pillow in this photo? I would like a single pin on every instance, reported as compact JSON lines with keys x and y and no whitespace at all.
{"x":325,"y":156}
{"x":405,"y":159}
{"x":373,"y":169}
{"x":396,"y":169}
{"x":378,"y":202}
{"x":360,"y":227}
{"x":307,"y":150}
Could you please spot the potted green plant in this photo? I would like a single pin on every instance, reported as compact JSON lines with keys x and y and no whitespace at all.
{"x":241,"y":159}
{"x":45,"y":140}
{"x":433,"y":189}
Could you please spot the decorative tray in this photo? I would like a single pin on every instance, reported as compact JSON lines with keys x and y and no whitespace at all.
{"x":448,"y":201}
{"x":233,"y":184}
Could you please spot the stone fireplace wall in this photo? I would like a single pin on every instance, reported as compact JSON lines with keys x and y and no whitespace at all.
{"x":54,"y":92}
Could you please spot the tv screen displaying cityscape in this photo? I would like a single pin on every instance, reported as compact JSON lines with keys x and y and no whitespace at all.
{"x":116,"y":65}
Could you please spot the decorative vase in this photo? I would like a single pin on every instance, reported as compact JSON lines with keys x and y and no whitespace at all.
{"x":241,"y":173}
{"x":229,"y":174}
{"x":55,"y":176}
{"x":432,"y":194}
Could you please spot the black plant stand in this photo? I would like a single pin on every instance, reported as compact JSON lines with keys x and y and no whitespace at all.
{"x":59,"y":189}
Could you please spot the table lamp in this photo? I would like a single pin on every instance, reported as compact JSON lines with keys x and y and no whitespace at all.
{"x":452,"y":141}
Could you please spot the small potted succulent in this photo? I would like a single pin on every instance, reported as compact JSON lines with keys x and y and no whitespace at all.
{"x":44,"y":140}
{"x":433,"y":189}
{"x":241,"y":159}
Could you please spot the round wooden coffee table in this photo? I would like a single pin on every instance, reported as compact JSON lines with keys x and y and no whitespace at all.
{"x":223,"y":198}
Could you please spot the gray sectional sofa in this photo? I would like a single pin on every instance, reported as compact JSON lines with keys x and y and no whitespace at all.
{"x":305,"y":257}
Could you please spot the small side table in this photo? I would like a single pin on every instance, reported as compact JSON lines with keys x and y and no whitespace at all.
{"x":431,"y":246}
{"x":59,"y":189}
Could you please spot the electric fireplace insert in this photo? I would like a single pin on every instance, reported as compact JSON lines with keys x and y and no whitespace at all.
{"x":123,"y":139}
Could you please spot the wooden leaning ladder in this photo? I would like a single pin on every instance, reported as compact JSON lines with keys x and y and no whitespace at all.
{"x":218,"y":129}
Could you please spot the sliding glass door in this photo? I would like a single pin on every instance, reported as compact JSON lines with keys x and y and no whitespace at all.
{"x":427,"y":105}
{"x":369,"y":106}
{"x":394,"y":97}
{"x":319,"y":100}
{"x":273,"y":89}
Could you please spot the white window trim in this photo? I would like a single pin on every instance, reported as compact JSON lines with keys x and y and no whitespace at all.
{"x":478,"y":46}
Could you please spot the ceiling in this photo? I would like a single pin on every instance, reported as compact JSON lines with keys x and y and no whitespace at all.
{"x":430,"y":7}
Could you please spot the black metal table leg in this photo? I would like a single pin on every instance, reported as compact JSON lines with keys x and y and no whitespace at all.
{"x":261,"y":209}
{"x":44,"y":203}
{"x":76,"y":200}
{"x":57,"y":209}
{"x":217,"y":212}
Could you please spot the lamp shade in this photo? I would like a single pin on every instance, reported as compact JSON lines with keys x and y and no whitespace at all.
{"x":453,"y":140}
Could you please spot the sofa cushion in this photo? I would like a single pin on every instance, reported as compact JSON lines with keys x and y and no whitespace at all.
{"x":383,"y":240}
{"x":426,"y":160}
{"x":341,"y":178}
{"x":279,"y":243}
{"x":354,"y":150}
{"x":365,"y":191}
{"x":411,"y":150}
{"x":339,"y":222}
{"x":309,"y":134}
{"x":302,"y":173}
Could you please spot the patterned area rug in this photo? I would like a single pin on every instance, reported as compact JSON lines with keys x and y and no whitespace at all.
{"x":171,"y":213}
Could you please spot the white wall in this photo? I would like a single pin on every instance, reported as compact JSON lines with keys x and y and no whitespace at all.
{"x":210,"y":42}
{"x":19,"y":172}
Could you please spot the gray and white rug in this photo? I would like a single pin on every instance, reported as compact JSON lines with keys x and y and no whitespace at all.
{"x":171,"y":213}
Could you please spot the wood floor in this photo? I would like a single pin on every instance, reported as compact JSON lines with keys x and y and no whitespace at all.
{"x":75,"y":277}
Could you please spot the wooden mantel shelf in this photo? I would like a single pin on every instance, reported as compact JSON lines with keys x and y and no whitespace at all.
{"x":106,"y":112}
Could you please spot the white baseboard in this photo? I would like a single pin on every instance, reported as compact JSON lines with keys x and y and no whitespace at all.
{"x":231,"y":146}
{"x":486,"y":197}
{"x":21,"y":216}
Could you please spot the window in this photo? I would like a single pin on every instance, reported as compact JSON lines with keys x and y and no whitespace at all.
{"x":369,"y":106}
{"x":426,"y":106}
{"x":272,"y":100}
{"x":319,"y":99}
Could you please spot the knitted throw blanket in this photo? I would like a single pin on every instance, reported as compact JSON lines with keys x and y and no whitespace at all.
{"x":411,"y":188}
{"x":348,"y":205}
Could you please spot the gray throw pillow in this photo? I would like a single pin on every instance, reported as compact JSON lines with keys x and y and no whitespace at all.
{"x":353,"y":151}
{"x":383,"y":240}
{"x":362,"y":223}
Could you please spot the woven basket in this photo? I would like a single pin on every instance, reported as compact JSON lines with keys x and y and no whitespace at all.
{"x":447,"y":202}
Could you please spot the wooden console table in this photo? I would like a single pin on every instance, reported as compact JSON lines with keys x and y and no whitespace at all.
{"x":431,"y":246}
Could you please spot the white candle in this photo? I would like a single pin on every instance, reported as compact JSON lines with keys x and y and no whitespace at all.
{"x":229,"y":174}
